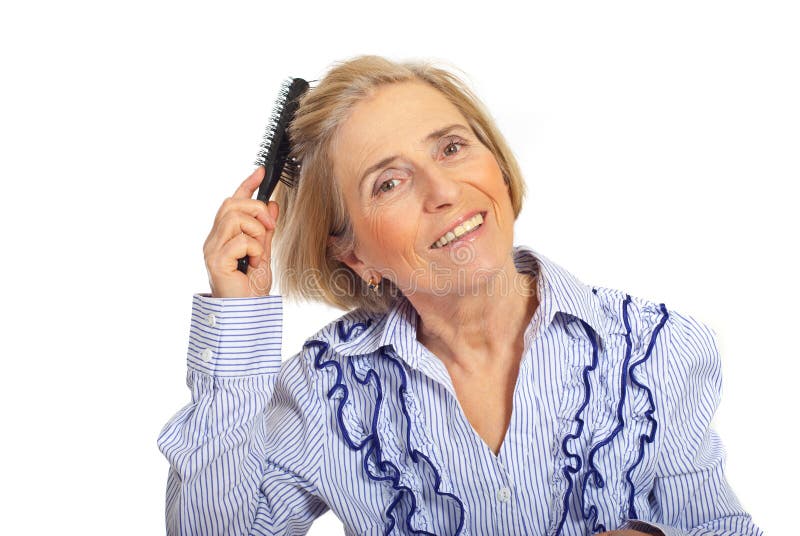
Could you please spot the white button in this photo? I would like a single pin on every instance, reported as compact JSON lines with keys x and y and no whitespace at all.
{"x":211,"y":320}
{"x":504,"y":495}
{"x":206,"y":355}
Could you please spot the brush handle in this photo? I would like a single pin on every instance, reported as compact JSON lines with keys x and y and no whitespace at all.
{"x":243,"y":264}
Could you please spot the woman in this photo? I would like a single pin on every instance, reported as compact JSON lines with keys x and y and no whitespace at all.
{"x":473,"y":387}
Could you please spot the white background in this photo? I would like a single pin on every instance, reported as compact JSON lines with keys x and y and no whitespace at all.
{"x":659,"y":142}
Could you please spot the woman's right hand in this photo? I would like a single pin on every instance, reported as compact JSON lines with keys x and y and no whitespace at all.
{"x":243,"y":227}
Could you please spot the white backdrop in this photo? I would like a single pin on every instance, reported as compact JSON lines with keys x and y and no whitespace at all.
{"x":659,"y":142}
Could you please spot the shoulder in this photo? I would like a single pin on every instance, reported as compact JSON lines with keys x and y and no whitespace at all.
{"x":351,"y":333}
{"x":624,"y":313}
{"x":680,"y":345}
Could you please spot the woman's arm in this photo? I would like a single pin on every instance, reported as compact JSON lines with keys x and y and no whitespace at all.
{"x":244,"y":452}
{"x":691,"y":493}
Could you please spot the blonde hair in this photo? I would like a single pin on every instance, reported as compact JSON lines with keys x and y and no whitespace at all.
{"x":307,"y":263}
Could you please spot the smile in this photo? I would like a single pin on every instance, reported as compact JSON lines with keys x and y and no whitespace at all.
{"x":464,"y":228}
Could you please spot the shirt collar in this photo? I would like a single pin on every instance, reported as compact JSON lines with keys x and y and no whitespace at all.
{"x":559,"y":292}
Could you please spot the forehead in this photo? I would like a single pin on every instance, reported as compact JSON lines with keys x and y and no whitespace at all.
{"x":388,"y":121}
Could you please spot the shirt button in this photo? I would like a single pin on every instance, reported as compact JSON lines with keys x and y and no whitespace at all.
{"x":504,"y":495}
{"x":206,"y":355}
{"x":211,"y":320}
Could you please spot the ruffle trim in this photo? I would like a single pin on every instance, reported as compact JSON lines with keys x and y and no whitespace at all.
{"x":574,"y":462}
{"x":651,"y":435}
{"x":570,"y":470}
{"x":590,"y":514}
{"x":408,"y":485}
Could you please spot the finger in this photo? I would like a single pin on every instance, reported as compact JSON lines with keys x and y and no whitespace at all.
{"x":250,"y":184}
{"x":251,"y":207}
{"x":232,"y":225}
{"x":237,"y":247}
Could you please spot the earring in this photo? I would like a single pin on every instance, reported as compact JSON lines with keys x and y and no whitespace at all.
{"x":373,"y":286}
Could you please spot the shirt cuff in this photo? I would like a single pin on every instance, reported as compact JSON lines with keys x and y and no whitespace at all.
{"x":232,"y":337}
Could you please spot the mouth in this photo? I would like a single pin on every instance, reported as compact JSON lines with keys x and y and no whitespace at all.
{"x":464,"y":229}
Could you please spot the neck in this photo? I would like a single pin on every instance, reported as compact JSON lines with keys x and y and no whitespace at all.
{"x":481,"y":327}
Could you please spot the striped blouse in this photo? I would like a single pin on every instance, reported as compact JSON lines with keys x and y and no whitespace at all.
{"x":610,"y":424}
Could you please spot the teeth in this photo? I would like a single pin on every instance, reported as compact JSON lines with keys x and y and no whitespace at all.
{"x":460,"y":230}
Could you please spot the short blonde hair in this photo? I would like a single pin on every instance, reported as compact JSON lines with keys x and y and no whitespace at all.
{"x":307,"y":263}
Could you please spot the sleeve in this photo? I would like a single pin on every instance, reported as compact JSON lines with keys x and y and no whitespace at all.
{"x":691,"y":494}
{"x":245,"y":453}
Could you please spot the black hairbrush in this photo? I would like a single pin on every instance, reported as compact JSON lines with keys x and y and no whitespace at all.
{"x":274,"y":151}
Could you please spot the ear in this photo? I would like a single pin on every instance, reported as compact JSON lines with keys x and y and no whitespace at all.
{"x":355,"y":264}
{"x":348,"y":257}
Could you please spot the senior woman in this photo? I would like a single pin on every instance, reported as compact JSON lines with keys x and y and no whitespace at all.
{"x":472,"y":387}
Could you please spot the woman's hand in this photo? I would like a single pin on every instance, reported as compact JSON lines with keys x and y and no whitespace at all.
{"x":243,"y":227}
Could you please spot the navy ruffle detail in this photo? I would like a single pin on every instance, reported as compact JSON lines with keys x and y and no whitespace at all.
{"x":591,"y":513}
{"x":628,"y":371}
{"x":569,"y":470}
{"x":372,"y":440}
{"x":649,"y":437}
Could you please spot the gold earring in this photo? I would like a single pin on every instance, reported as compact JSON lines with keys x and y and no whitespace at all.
{"x":373,"y":286}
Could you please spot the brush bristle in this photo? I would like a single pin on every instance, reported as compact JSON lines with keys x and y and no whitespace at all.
{"x":275,"y":147}
{"x":291,"y":172}
{"x":273,"y":122}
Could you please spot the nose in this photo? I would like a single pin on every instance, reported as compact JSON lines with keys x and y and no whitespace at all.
{"x":441,"y":187}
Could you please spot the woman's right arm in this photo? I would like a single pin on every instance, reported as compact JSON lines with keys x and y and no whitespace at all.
{"x":245,"y":451}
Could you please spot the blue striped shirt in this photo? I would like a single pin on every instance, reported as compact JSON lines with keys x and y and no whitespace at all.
{"x":610,"y":424}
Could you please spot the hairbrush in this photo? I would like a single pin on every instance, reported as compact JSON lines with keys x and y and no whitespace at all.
{"x":274,"y":151}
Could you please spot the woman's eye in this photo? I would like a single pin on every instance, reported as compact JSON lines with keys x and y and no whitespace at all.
{"x":384,"y":188}
{"x":453,"y":146}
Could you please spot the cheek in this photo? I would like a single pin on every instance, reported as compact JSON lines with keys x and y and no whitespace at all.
{"x":386,"y":233}
{"x":492,"y":182}
{"x":498,"y":192}
{"x":396,"y":232}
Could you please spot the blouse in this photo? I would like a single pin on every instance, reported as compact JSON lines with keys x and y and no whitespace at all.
{"x":610,"y":424}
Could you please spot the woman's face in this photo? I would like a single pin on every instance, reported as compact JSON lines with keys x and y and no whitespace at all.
{"x":411,"y":170}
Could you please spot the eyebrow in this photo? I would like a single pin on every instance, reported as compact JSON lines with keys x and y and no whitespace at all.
{"x":388,"y":160}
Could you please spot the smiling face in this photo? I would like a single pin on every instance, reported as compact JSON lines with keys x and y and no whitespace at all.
{"x":412,"y":171}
